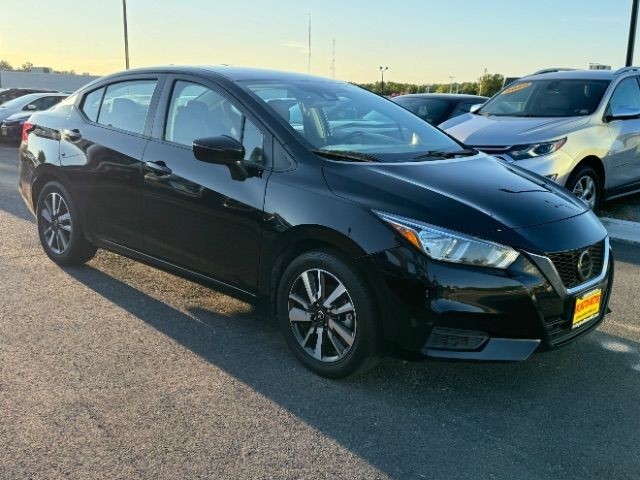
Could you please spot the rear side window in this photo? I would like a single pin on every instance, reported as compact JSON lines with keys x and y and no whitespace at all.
{"x":46,"y":102}
{"x":91,"y":104}
{"x":125,"y":105}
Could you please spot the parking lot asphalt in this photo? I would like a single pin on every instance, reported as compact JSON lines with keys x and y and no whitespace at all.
{"x":624,"y":208}
{"x":118,"y":370}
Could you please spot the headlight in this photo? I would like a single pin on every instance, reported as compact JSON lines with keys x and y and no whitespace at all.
{"x":537,"y":150}
{"x":448,"y":246}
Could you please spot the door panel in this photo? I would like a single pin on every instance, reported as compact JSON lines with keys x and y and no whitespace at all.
{"x":101,"y":151}
{"x":623,"y":159}
{"x":105,"y":168}
{"x":196,"y":216}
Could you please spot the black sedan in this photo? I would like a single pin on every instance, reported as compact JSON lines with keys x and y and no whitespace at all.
{"x":435,"y":108}
{"x":361,"y":233}
{"x":11,"y":127}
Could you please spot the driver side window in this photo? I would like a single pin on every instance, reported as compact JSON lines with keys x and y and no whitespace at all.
{"x":627,"y":94}
{"x":196,"y":111}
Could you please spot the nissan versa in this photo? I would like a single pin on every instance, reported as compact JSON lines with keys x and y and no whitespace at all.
{"x":377,"y":231}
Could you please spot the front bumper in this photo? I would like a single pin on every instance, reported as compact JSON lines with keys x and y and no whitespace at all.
{"x":508,"y":314}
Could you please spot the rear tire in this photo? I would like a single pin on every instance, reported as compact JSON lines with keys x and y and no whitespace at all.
{"x":60,"y":228}
{"x":327,"y":315}
{"x":585,"y":183}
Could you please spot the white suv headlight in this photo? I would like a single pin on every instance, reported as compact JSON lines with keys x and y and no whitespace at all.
{"x":537,"y":150}
{"x":448,"y":246}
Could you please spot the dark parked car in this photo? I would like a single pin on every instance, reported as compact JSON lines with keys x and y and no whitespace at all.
{"x":361,"y":233}
{"x":11,"y":123}
{"x":11,"y":127}
{"x":11,"y":93}
{"x":435,"y":108}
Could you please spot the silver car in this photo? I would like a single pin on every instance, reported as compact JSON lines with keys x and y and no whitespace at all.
{"x":580,"y":128}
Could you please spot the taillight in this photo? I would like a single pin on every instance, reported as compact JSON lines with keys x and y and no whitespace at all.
{"x":26,"y":128}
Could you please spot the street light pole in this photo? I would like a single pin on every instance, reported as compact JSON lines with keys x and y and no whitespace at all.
{"x":632,"y":32}
{"x":126,"y":34}
{"x":382,"y":70}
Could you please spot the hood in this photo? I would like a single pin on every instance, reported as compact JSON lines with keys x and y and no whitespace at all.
{"x":475,"y":195}
{"x":480,"y":130}
{"x":6,"y":112}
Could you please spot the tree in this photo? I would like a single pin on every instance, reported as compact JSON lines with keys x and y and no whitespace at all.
{"x":490,"y":84}
{"x":26,"y":66}
{"x":4,"y":65}
{"x":469,"y":88}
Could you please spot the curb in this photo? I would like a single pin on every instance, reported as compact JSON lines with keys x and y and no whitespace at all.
{"x":622,"y":230}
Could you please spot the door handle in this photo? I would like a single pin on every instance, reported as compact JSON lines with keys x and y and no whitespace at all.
{"x":71,"y":135}
{"x":159,"y":167}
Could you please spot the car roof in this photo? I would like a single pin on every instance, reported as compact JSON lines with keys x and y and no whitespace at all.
{"x":446,"y":96}
{"x":233,"y":73}
{"x":573,"y":75}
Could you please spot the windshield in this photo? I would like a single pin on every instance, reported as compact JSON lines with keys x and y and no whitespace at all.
{"x":433,"y":110}
{"x":547,"y":98}
{"x":339,"y":117}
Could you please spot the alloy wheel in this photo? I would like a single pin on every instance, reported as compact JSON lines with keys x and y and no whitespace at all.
{"x":322,"y":315}
{"x":56,"y":220}
{"x":586,"y":189}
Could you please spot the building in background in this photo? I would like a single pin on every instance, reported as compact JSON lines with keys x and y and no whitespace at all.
{"x":599,"y":66}
{"x":43,"y":79}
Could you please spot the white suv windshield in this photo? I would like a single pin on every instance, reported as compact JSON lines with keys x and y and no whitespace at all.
{"x":339,"y":117}
{"x":547,"y":98}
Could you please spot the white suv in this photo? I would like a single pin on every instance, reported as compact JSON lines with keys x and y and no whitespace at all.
{"x":580,"y":128}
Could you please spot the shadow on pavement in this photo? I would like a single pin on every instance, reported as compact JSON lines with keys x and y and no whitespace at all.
{"x":568,"y":413}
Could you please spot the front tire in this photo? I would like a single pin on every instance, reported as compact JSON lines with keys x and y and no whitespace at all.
{"x":59,"y":227}
{"x":585,"y":184}
{"x":327,"y":315}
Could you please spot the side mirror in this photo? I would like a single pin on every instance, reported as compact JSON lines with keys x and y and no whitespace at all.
{"x":476,"y":107}
{"x":623,"y":113}
{"x":222,"y":150}
{"x":31,"y":106}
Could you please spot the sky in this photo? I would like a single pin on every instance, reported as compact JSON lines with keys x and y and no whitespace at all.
{"x":421,"y":41}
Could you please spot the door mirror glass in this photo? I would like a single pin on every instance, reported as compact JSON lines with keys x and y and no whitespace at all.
{"x":623,"y":113}
{"x":222,"y":150}
{"x":476,"y":107}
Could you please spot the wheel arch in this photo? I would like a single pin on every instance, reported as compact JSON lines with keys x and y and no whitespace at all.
{"x":594,"y":162}
{"x":44,"y":174}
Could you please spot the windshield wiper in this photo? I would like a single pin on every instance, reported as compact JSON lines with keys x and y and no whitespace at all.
{"x":467,"y":152}
{"x":347,"y":155}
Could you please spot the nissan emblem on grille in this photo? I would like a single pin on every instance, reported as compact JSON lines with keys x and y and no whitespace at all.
{"x":585,"y":265}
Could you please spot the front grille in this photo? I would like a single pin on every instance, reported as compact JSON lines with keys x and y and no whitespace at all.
{"x":566,"y":264}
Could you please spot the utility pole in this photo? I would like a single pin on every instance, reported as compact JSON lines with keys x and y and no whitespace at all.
{"x":126,"y":34}
{"x":451,"y":83}
{"x":333,"y":60}
{"x":309,"y":47}
{"x":632,"y":32}
{"x":382,"y":70}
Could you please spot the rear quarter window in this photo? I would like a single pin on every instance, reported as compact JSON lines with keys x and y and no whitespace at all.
{"x":91,"y":104}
